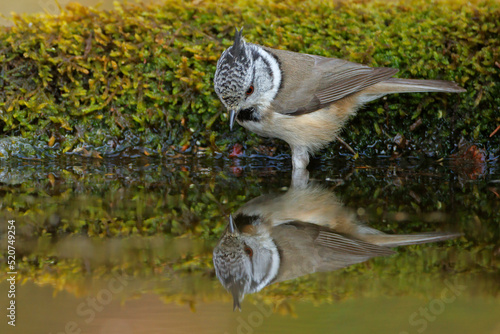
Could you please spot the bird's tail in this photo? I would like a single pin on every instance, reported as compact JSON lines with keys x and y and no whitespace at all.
{"x":393,"y":240}
{"x":397,"y":85}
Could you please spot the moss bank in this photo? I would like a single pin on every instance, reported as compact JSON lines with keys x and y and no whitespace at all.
{"x":95,"y":82}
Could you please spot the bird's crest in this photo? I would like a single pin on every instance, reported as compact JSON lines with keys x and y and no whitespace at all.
{"x":233,"y":74}
{"x":238,"y":48}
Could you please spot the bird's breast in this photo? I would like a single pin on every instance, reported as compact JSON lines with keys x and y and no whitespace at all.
{"x":261,"y":125}
{"x":258,"y":127}
{"x":312,"y":130}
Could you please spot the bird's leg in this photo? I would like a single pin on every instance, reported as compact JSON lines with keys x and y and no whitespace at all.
{"x":300,"y":157}
{"x":300,"y":160}
{"x":300,"y":178}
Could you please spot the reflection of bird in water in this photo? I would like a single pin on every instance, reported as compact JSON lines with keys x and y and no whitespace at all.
{"x":274,"y":238}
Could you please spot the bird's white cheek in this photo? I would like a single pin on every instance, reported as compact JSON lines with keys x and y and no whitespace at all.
{"x":266,"y":100}
{"x":261,"y":99}
{"x":248,"y":103}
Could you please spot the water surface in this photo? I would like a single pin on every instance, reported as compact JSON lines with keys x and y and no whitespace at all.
{"x":125,"y":246}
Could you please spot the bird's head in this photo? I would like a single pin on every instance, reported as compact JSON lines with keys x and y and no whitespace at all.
{"x":246,"y":80}
{"x":245,"y":262}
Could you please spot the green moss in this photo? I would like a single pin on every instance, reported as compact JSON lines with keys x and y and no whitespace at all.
{"x":93,"y":79}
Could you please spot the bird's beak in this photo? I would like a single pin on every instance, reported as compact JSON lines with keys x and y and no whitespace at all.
{"x":238,"y":294}
{"x":232,"y":117}
{"x":232,"y":226}
{"x":237,"y":302}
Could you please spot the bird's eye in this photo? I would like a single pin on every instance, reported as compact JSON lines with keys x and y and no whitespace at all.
{"x":250,"y":90}
{"x":249,"y":251}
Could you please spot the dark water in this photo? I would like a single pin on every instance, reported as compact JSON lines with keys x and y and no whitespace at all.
{"x":126,"y":246}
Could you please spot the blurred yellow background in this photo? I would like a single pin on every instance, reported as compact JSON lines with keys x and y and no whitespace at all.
{"x":49,"y":6}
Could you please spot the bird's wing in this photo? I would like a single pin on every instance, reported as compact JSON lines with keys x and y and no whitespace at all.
{"x":350,"y":246}
{"x":306,"y":248}
{"x":312,"y":82}
{"x":335,"y":242}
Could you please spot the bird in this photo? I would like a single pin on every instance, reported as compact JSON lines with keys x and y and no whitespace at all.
{"x":278,"y":237}
{"x":302,"y":99}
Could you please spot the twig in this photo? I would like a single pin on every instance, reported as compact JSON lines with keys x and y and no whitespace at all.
{"x":346,"y":145}
{"x":496,"y":130}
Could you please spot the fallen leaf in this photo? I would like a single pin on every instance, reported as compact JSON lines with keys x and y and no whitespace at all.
{"x":52,"y":179}
{"x":236,"y":151}
{"x":52,"y":140}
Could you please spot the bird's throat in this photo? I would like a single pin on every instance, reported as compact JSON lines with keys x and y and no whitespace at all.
{"x":248,"y":115}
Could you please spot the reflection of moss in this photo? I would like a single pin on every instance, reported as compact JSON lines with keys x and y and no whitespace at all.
{"x":185,"y":277}
{"x":89,"y":220}
{"x":90,"y":78}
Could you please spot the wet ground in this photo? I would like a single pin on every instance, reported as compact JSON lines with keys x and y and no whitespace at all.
{"x":125,"y":246}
